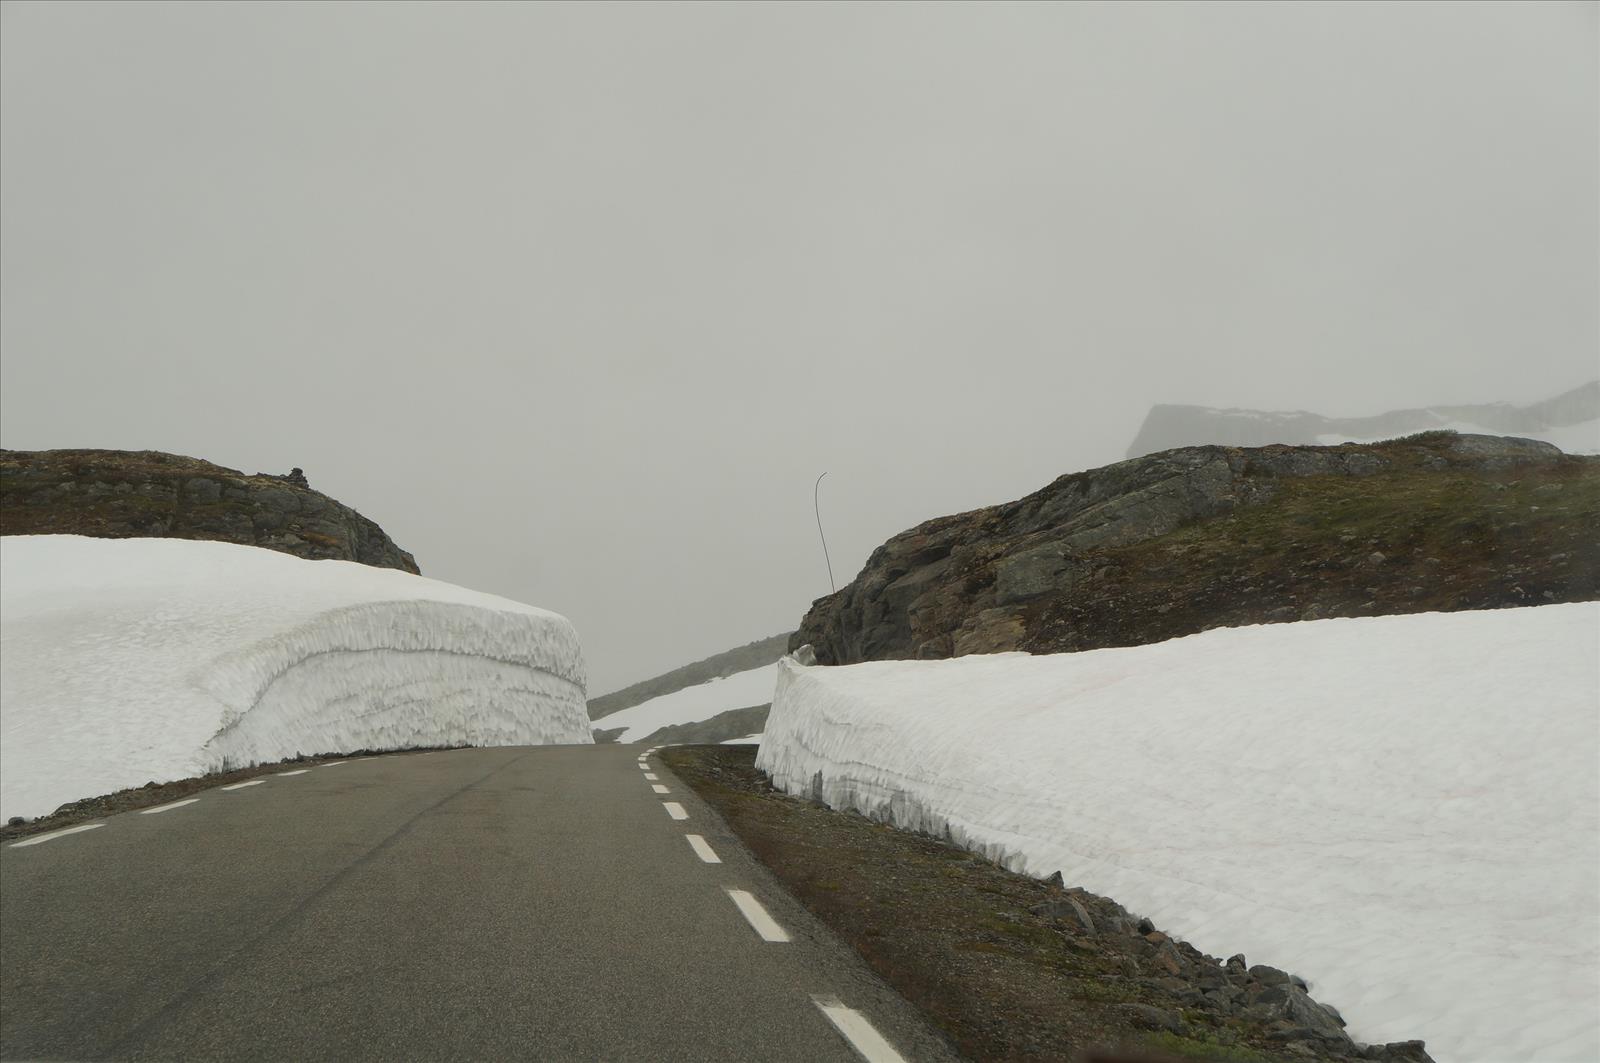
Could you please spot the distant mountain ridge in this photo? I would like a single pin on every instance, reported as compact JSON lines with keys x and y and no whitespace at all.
{"x":1169,"y":426}
{"x":125,"y":494}
{"x":739,"y":659}
{"x":1193,"y":538}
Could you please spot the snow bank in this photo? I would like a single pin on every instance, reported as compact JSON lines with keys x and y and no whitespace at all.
{"x":693,"y":704}
{"x":127,"y":660}
{"x":1403,"y":810}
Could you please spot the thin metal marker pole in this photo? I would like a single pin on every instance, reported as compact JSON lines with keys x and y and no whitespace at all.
{"x":818,"y":510}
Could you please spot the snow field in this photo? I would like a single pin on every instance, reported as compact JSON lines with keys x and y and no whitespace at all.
{"x":693,"y":704}
{"x":127,"y":660}
{"x":1403,"y":810}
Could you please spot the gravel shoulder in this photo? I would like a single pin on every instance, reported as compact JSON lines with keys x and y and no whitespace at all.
{"x":1009,"y":967}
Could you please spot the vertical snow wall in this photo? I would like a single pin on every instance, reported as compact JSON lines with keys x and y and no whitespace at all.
{"x":1403,"y":810}
{"x":129,"y":660}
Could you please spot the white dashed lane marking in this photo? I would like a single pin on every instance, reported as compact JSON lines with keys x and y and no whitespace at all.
{"x":332,"y":764}
{"x":242,"y":785}
{"x":658,"y":788}
{"x":757,"y":916}
{"x":702,"y":849}
{"x":286,"y":774}
{"x":38,"y":839}
{"x":674,"y":810}
{"x":858,"y":1031}
{"x":650,"y":775}
{"x":167,"y":808}
{"x":644,"y":767}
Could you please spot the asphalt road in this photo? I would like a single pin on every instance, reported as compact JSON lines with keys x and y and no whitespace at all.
{"x":500,"y":904}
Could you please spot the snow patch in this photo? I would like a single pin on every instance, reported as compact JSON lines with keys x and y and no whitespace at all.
{"x":1403,"y":810}
{"x":693,"y":704}
{"x":129,"y":660}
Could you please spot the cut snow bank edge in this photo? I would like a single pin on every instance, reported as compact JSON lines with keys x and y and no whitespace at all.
{"x":154,"y":659}
{"x":1404,"y":810}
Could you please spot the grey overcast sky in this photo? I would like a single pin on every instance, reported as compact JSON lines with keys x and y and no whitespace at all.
{"x":576,"y":300}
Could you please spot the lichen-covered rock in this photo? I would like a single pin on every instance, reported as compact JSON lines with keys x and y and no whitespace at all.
{"x":118,"y":494}
{"x":1177,"y":542}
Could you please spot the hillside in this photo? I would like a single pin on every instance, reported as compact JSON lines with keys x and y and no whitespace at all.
{"x":739,"y":659}
{"x":1202,"y":537}
{"x":120,"y":494}
{"x":1570,"y":420}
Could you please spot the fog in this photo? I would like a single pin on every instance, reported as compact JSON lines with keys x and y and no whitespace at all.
{"x":577,"y":301}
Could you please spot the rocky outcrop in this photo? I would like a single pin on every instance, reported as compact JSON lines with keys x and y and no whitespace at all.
{"x":116,"y":494}
{"x":1189,"y":988}
{"x":1168,"y":426}
{"x":1198,"y":537}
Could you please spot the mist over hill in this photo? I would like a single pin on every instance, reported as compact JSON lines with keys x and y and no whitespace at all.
{"x":1570,"y":420}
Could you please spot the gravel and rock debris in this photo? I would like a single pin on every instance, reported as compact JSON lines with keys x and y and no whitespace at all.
{"x":1011,"y":967}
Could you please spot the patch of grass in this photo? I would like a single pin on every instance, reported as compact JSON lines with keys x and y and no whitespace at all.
{"x":1450,"y":538}
{"x":1201,"y":1047}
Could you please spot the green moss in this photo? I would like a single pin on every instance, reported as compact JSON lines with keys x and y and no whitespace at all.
{"x":1102,"y":991}
{"x":1200,"y":1046}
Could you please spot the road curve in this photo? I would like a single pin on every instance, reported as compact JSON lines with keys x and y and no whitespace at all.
{"x":524,"y":903}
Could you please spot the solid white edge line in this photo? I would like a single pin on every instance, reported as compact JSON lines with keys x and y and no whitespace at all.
{"x":757,"y":916}
{"x":242,"y":785}
{"x":36,"y":839}
{"x":861,"y":1034}
{"x":674,"y":810}
{"x":650,"y":775}
{"x":286,"y":774}
{"x":167,"y":808}
{"x":702,"y":849}
{"x":658,"y":788}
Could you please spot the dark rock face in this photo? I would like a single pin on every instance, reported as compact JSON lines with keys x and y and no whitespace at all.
{"x":1177,"y":542}
{"x":1179,"y":426}
{"x":116,"y":494}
